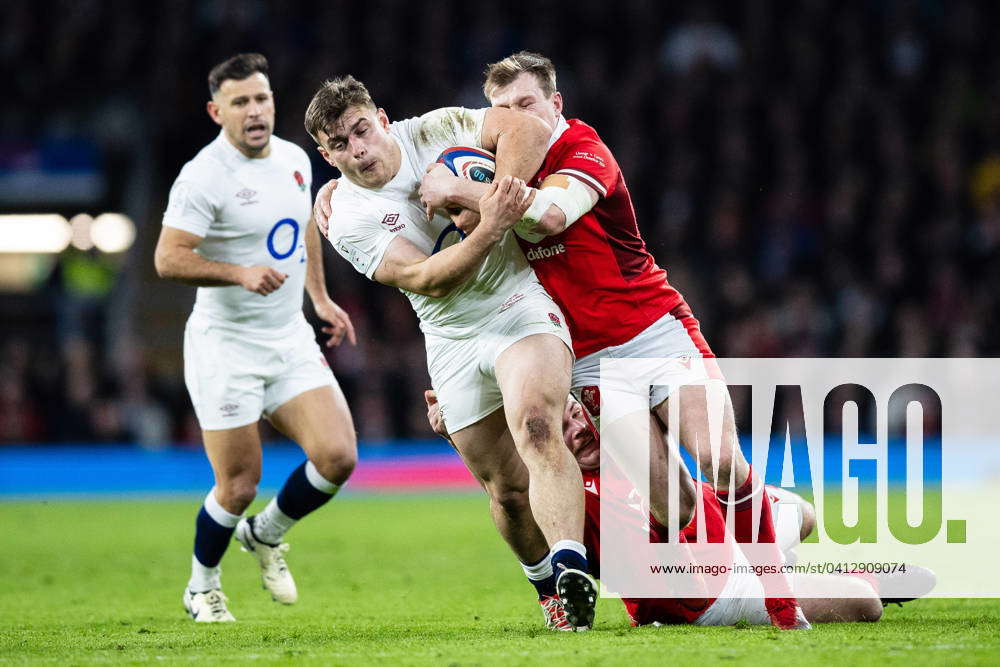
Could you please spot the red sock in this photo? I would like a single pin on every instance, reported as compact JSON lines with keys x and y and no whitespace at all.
{"x":780,"y":603}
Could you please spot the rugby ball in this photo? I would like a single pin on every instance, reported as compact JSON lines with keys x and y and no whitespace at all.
{"x":472,"y":163}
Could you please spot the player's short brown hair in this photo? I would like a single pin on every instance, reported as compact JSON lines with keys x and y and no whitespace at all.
{"x":501,"y":73}
{"x":236,"y":68}
{"x":332,"y":99}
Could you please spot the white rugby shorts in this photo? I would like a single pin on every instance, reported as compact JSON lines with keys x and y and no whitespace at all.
{"x":235,"y":377}
{"x":667,"y":338}
{"x":462,"y":370}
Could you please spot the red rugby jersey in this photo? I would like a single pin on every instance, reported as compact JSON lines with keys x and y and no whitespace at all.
{"x":644,"y":611}
{"x":598,"y":270}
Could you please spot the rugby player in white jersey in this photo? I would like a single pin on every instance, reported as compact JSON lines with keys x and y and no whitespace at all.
{"x":238,"y":226}
{"x":498,"y":351}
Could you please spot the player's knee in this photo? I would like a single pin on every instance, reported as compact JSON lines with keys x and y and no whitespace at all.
{"x":510,"y":494}
{"x":866,"y":609}
{"x":513,"y":501}
{"x":337,"y":464}
{"x":808,"y":519}
{"x":687,"y":500}
{"x":235,"y":495}
{"x":537,"y":430}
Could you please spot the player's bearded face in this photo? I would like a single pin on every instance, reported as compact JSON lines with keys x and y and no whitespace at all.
{"x":525,"y":94}
{"x":245,"y":110}
{"x":360,"y":146}
{"x":580,"y":437}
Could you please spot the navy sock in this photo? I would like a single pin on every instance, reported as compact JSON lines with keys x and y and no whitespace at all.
{"x":299,"y":497}
{"x":546,"y":587}
{"x":567,"y":559}
{"x":210,"y":539}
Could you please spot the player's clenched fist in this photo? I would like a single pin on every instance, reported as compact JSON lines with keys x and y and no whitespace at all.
{"x":505,"y":203}
{"x":261,"y":279}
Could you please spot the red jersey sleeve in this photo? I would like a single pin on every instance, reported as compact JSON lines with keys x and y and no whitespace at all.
{"x":591,"y":162}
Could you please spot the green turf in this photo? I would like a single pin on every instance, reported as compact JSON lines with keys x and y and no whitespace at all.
{"x":393,"y":580}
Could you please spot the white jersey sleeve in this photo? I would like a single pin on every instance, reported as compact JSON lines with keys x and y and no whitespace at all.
{"x":357,"y":236}
{"x":191,"y":207}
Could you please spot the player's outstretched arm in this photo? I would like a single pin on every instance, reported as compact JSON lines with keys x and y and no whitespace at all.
{"x":340,"y":325}
{"x":405,"y":266}
{"x":175,"y":259}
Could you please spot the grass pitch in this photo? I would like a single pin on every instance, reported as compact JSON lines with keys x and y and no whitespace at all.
{"x":394,"y":580}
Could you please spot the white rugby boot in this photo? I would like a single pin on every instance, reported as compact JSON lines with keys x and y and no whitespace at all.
{"x":274,"y":574}
{"x":207,"y":607}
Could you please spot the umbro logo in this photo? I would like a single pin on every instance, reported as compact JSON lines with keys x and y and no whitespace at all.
{"x":390,"y":221}
{"x":247,"y":195}
{"x":229,"y":410}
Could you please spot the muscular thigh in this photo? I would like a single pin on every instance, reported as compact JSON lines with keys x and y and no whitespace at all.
{"x":234,"y":453}
{"x":467,"y":373}
{"x":318,"y":420}
{"x":488,"y":451}
{"x":534,"y":374}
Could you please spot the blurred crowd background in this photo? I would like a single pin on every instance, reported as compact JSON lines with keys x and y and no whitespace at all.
{"x":820,"y":178}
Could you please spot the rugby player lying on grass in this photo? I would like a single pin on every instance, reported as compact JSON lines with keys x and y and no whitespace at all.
{"x":860,"y":599}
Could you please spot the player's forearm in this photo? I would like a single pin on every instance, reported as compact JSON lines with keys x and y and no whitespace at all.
{"x":521,"y":145}
{"x":315,"y":275}
{"x":438,"y":275}
{"x":186,"y":266}
{"x":466,"y":193}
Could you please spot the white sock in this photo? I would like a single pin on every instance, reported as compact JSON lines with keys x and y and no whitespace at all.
{"x":572,"y":545}
{"x":540,"y":571}
{"x":271,"y":524}
{"x":219,"y":513}
{"x":318,"y":481}
{"x":204,"y":578}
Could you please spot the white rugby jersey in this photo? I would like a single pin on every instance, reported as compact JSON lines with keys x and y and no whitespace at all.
{"x":365,"y":221}
{"x":251,"y":212}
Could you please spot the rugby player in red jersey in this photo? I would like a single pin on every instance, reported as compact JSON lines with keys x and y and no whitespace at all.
{"x":727,"y":599}
{"x":582,"y":239}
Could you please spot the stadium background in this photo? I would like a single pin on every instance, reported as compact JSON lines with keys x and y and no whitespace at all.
{"x":819,"y":180}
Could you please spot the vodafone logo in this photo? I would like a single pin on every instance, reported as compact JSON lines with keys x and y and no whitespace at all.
{"x":545,"y":253}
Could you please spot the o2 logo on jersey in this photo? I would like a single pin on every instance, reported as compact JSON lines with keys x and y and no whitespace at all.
{"x":278,"y":236}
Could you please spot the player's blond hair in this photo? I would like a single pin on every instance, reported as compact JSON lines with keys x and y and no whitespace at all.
{"x":501,"y":73}
{"x":332,"y":99}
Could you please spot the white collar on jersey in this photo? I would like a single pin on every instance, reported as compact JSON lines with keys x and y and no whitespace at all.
{"x":235,"y":154}
{"x":561,"y":126}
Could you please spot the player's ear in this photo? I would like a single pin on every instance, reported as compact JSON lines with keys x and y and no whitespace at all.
{"x":213,"y":112}
{"x":557,"y":102}
{"x":326,"y":156}
{"x":383,"y":119}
